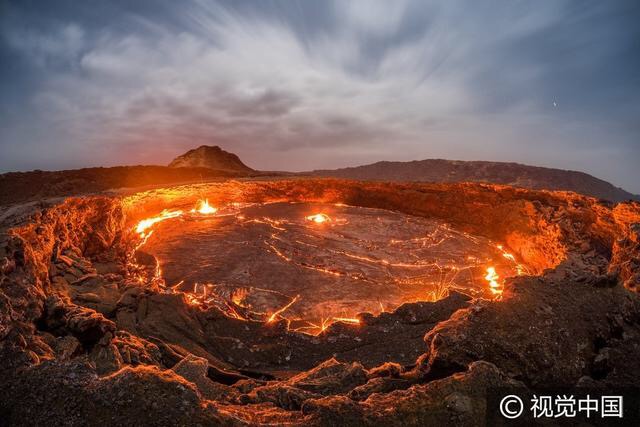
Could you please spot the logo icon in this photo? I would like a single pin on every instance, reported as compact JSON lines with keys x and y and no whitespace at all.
{"x":511,"y":406}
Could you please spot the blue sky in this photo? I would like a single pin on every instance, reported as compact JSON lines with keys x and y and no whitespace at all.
{"x":320,"y":84}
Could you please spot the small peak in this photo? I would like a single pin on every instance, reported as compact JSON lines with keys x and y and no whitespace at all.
{"x":212,"y":157}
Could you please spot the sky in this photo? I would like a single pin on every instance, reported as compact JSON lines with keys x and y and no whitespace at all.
{"x":301,"y":85}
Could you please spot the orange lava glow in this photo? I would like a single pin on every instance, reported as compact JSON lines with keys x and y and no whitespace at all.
{"x":205,"y":294}
{"x":319,"y":328}
{"x":492,"y":277}
{"x":276,"y":313}
{"x":205,"y":208}
{"x":146,"y":224}
{"x":238,"y":297}
{"x":351,"y":320}
{"x":520,"y":269}
{"x":318,"y":218}
{"x":143,"y":227}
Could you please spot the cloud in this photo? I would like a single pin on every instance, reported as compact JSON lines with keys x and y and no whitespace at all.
{"x":43,"y":49}
{"x":301,"y":85}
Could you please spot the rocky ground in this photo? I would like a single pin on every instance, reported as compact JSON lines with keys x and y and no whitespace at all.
{"x":88,"y":336}
{"x":23,"y":187}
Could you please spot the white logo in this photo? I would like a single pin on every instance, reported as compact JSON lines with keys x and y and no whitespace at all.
{"x":511,"y":406}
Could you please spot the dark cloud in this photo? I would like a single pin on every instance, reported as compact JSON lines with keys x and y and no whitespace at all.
{"x":269,"y":103}
{"x":308,"y":84}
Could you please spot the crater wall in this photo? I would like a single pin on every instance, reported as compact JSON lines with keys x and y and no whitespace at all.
{"x":71,"y":315}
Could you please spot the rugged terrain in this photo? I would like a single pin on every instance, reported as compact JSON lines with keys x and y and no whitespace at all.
{"x":88,"y":334}
{"x":16,"y":187}
{"x":210,"y":163}
{"x":438,"y":170}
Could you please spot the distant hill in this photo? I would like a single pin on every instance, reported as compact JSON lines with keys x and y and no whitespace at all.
{"x":21,"y":186}
{"x":212,"y":162}
{"x":212,"y":157}
{"x":439,"y":170}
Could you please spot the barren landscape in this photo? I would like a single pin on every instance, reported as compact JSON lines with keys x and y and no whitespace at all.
{"x":319,"y":213}
{"x":89,"y":311}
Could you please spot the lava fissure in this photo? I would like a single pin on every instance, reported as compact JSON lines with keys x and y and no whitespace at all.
{"x":329,"y":233}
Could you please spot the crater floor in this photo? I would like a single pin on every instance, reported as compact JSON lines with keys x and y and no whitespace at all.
{"x":348,"y":260}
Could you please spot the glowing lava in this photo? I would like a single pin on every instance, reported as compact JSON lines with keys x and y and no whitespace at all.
{"x":520,"y":269}
{"x":310,"y":273}
{"x":492,"y":277}
{"x":205,"y":208}
{"x":142,"y":228}
{"x":318,"y":218}
{"x":317,"y":329}
{"x":239,"y":296}
{"x":282,"y":310}
{"x":146,"y":224}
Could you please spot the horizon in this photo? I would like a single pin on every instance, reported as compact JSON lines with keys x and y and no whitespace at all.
{"x":309,"y":171}
{"x":301,"y":86}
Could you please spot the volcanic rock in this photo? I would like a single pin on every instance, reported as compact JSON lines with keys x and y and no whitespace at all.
{"x":439,"y":170}
{"x":40,"y":185}
{"x":159,"y":359}
{"x":194,"y":369}
{"x":212,"y":157}
{"x":550,"y":317}
{"x":67,"y":347}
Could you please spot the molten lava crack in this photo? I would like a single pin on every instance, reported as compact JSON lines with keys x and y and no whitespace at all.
{"x":272,"y":261}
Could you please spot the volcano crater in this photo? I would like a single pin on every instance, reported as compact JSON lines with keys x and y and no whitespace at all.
{"x":310,"y":263}
{"x":300,"y":293}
